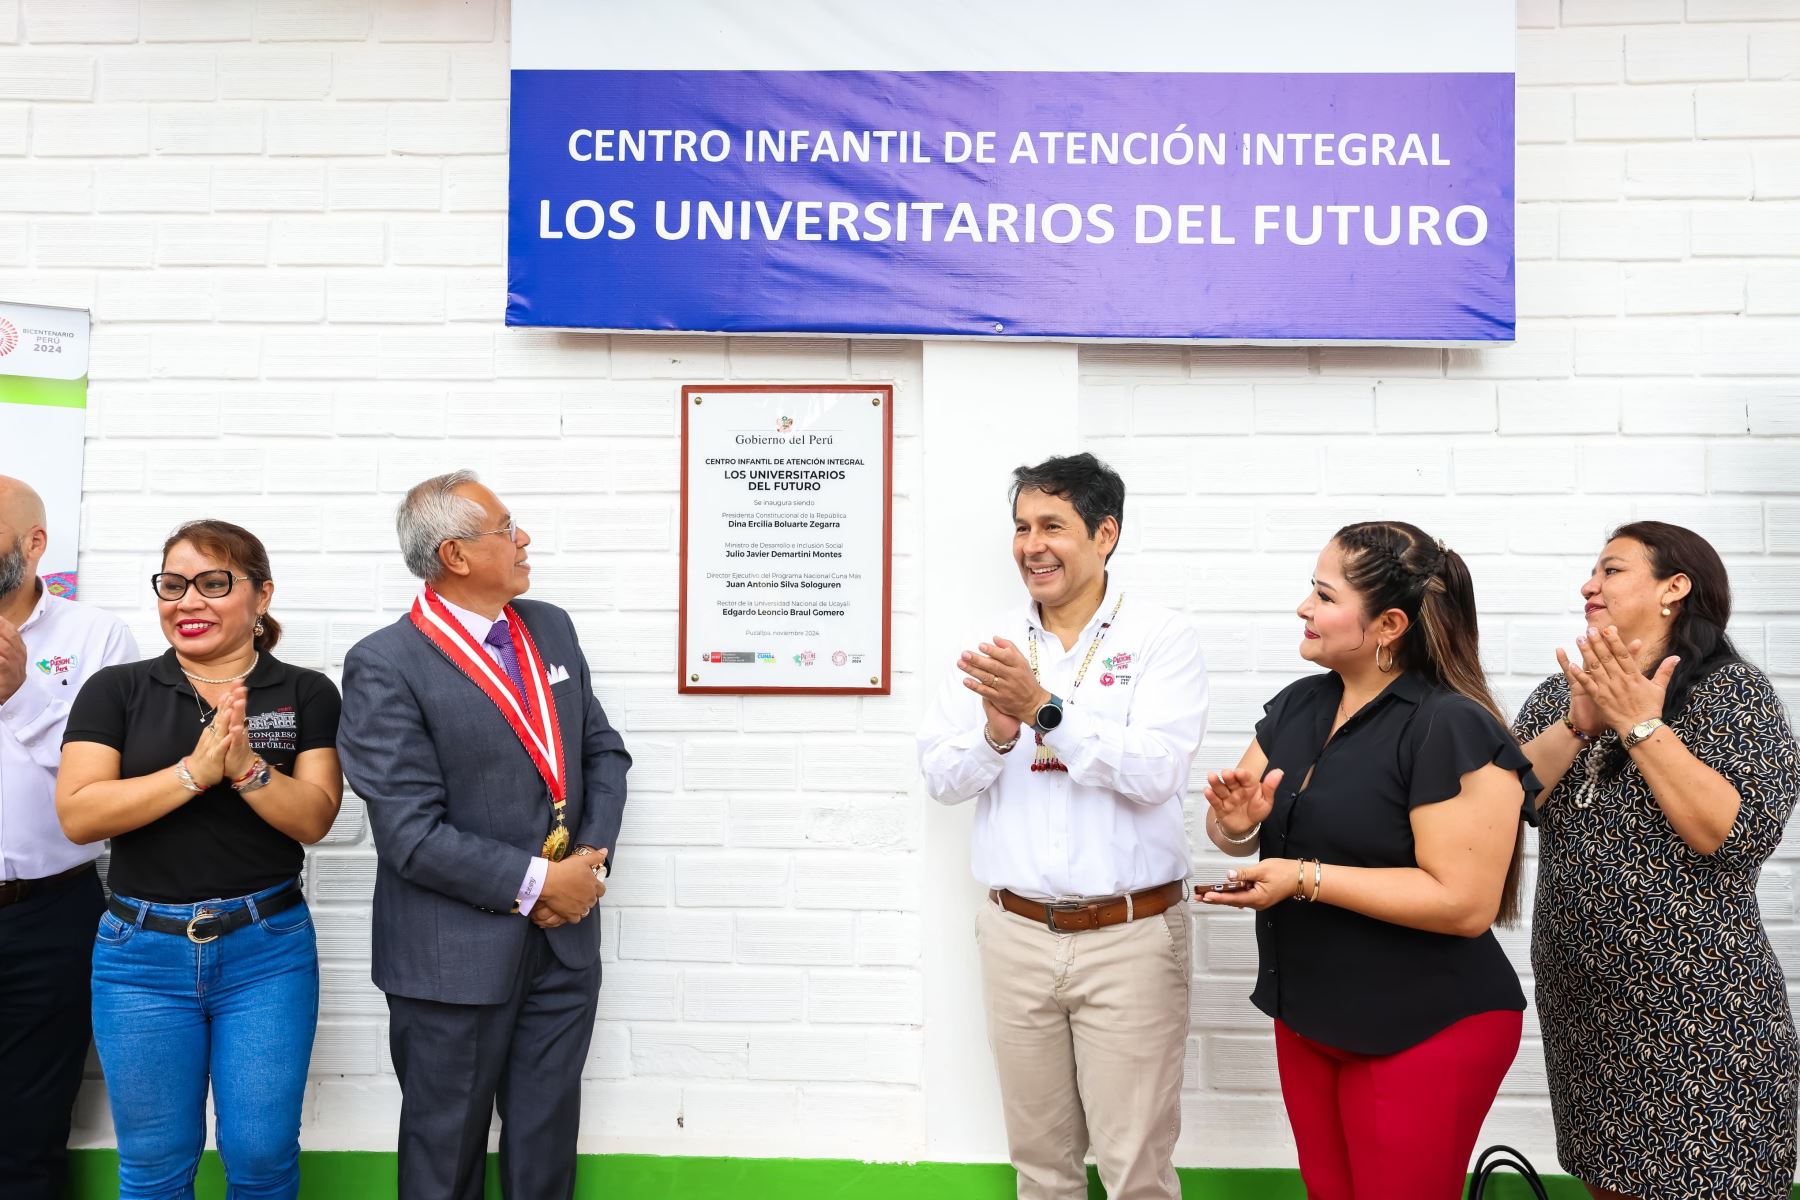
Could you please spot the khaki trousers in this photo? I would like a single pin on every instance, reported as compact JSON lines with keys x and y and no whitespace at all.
{"x":1089,"y":1032}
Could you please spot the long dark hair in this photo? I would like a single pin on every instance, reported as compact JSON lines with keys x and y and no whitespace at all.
{"x":1697,"y":626}
{"x":236,"y":547}
{"x":1396,"y":565}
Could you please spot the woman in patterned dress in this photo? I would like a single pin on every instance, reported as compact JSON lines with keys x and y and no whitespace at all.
{"x":1670,"y":770}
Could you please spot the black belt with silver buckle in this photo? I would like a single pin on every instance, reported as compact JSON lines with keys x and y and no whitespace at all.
{"x":207,"y":925}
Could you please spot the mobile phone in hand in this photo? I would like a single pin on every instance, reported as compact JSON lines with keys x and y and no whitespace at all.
{"x":1230,"y":885}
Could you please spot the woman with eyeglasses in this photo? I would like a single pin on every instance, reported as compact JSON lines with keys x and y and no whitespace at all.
{"x":208,"y":768}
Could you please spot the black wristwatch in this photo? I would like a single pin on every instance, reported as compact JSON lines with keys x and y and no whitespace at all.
{"x":1049,"y":716}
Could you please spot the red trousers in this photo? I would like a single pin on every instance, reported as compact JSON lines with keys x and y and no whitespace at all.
{"x":1397,"y":1125}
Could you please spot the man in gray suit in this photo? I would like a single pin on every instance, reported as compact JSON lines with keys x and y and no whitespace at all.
{"x":495,"y":786}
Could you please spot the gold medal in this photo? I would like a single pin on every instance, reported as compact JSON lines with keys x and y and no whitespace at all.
{"x":556,"y":846}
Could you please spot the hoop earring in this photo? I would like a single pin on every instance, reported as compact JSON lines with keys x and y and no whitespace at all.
{"x":1390,"y":662}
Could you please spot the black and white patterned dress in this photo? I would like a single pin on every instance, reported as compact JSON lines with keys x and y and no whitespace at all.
{"x":1673,"y":1061}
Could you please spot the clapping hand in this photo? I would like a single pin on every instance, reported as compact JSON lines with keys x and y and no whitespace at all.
{"x":1001,"y":676}
{"x":208,"y":761}
{"x":1611,"y":684}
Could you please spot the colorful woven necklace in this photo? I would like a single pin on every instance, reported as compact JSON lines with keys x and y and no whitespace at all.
{"x":1044,"y":759}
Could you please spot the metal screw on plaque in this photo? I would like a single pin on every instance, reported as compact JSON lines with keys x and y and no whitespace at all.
{"x":875,"y":400}
{"x":874,"y":680}
{"x":697,"y":399}
{"x":693,"y":679}
{"x":999,"y":328}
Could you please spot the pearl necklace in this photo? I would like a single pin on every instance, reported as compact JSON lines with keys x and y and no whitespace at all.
{"x":254,"y":659}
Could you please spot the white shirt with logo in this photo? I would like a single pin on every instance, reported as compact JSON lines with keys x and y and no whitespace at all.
{"x":1113,"y":822}
{"x":67,"y":642}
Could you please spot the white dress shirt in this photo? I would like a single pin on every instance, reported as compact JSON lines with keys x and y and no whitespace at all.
{"x":1113,"y":822}
{"x":67,"y":642}
{"x":479,"y":627}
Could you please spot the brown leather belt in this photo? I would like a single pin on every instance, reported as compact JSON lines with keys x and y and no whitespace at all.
{"x":14,"y":890}
{"x":1077,"y":916}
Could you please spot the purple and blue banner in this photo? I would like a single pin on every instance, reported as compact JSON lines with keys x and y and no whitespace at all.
{"x":1304,"y":206}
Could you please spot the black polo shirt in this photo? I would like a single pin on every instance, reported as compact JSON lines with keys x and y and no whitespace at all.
{"x":215,"y":846}
{"x":1336,"y":976}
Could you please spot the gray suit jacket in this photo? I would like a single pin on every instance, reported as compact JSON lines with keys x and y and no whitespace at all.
{"x":458,"y":811}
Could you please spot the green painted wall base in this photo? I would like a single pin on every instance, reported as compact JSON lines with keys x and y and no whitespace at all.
{"x":351,"y":1175}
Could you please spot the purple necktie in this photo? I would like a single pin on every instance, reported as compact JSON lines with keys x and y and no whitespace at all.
{"x":500,"y":638}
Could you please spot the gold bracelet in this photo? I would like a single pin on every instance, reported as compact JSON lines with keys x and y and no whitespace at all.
{"x":1318,"y":879}
{"x":1300,"y":886}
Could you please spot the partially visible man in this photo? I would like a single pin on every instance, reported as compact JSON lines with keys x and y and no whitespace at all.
{"x":50,"y":898}
{"x":1074,"y":728}
{"x":495,"y":787}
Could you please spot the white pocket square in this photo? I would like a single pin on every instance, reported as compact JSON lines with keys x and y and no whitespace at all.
{"x":558,"y":674}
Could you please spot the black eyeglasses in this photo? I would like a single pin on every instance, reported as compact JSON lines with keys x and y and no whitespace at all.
{"x":212,"y":584}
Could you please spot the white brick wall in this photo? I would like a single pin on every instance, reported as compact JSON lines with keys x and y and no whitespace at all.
{"x":289,"y":219}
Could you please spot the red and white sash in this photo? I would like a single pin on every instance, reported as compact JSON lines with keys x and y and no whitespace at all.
{"x":540,"y":733}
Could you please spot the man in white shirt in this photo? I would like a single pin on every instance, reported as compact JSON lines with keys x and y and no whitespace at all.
{"x":50,"y":898}
{"x":1074,"y":728}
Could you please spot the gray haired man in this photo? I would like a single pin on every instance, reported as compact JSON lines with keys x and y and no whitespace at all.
{"x":495,"y":787}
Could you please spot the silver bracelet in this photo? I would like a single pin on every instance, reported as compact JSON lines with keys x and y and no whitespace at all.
{"x":997,"y":747}
{"x":185,"y":777}
{"x":1255,"y":831}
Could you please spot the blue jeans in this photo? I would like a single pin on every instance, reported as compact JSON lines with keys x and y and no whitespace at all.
{"x":170,"y":1014}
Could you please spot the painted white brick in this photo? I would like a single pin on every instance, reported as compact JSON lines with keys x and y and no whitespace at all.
{"x":311,"y":129}
{"x":1727,"y":110}
{"x":151,"y":187}
{"x":1677,"y":467}
{"x":867,"y":881}
{"x":675,"y":937}
{"x":14,"y":135}
{"x":743,"y":994}
{"x":260,"y":186}
{"x":342,"y":355}
{"x":866,"y":996}
{"x":640,"y":992}
{"x":1544,"y":114}
{"x":651,"y":356}
{"x":1515,"y":468}
{"x":1575,"y":172}
{"x":1732,"y":526}
{"x":1638,"y":114}
{"x":1777,"y":171}
{"x":329,"y":242}
{"x":195,"y":21}
{"x":1765,"y":346}
{"x":1772,"y":289}
{"x":860,"y":765}
{"x":1387,"y":466}
{"x":1748,"y":230}
{"x":9,"y":21}
{"x":836,"y":1056}
{"x":1569,"y":289}
{"x":1646,"y":346}
{"x":1753,"y":467}
{"x":888,"y":939}
{"x":1664,"y":289}
{"x":1685,"y":408}
{"x":1775,"y":53}
{"x":1775,"y":416}
{"x":288,"y":296}
{"x":1688,"y":54}
{"x":312,"y":20}
{"x":147,"y":74}
{"x":219,"y":241}
{"x":270,"y":73}
{"x":402,"y":21}
{"x":472,"y":127}
{"x":479,"y":185}
{"x":89,"y":21}
{"x":92,"y":243}
{"x":207,"y":129}
{"x":1562,"y":56}
{"x":49,"y":189}
{"x":448,"y":241}
{"x":795,"y":939}
{"x":91,"y":131}
{"x":27,"y":75}
{"x":787,"y":358}
{"x":391,"y":73}
{"x":1698,"y":170}
{"x":1441,"y":407}
{"x":728,"y":881}
{"x":480,"y":73}
{"x":1209,"y":525}
{"x":1313,"y":408}
{"x":1624,"y":232}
